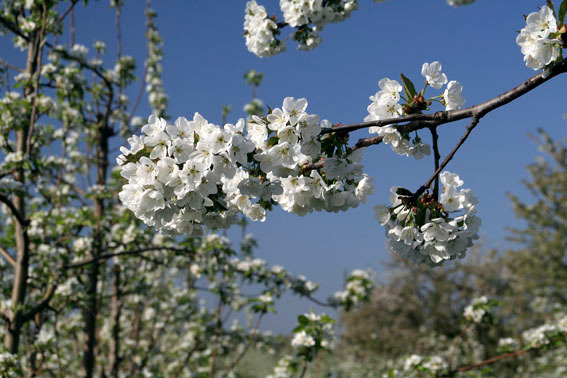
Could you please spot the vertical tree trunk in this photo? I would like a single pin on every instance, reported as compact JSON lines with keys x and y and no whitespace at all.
{"x":19,"y":288}
{"x":91,"y":308}
{"x":115,"y":310}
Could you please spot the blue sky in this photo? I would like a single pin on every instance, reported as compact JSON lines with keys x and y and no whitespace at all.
{"x":205,"y":58}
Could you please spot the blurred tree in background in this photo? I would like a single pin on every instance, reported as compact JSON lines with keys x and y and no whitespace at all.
{"x":420,"y":311}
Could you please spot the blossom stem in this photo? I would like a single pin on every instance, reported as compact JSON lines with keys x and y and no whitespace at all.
{"x":427,"y":185}
{"x":436,"y":158}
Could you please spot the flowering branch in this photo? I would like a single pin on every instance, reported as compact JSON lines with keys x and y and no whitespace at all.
{"x":421,"y":121}
{"x":123,"y":253}
{"x":493,"y":359}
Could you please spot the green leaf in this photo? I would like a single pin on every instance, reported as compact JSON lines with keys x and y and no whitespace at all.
{"x":302,"y":319}
{"x":273,"y":141}
{"x":409,"y":88}
{"x":562,"y":12}
{"x":550,"y":5}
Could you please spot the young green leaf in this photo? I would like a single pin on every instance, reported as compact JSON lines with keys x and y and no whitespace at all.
{"x":550,"y":5}
{"x":562,"y":12}
{"x":409,"y":88}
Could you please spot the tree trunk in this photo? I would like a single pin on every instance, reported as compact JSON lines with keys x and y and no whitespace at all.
{"x":19,"y":288}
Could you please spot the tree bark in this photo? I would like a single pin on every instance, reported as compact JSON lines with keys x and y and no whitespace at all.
{"x":115,"y":311}
{"x":19,"y":288}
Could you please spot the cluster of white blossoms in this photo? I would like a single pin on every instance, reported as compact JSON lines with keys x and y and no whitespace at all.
{"x":538,"y":40}
{"x":428,"y":231}
{"x":302,"y":13}
{"x":314,"y":332}
{"x":260,"y":31}
{"x":195,"y":173}
{"x":319,"y":12}
{"x":546,"y":333}
{"x":540,"y":336}
{"x":433,"y":364}
{"x":475,"y":310}
{"x":309,"y":17}
{"x":358,"y":288}
{"x":386,"y":104}
{"x":302,"y":339}
{"x":284,"y":368}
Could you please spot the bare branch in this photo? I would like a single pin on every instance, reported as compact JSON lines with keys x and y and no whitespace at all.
{"x":427,"y":185}
{"x":17,"y":69}
{"x":143,"y":83}
{"x":493,"y":359}
{"x":41,"y":305}
{"x":7,"y":256}
{"x":36,"y":81}
{"x":15,"y":212}
{"x":436,"y":158}
{"x":124,"y":253}
{"x":73,"y":3}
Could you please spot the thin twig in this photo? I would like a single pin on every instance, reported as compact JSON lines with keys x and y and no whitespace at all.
{"x":73,"y":3}
{"x":36,"y":82}
{"x":4,"y":252}
{"x":17,"y":69}
{"x":15,"y":212}
{"x":320,"y":303}
{"x":41,"y":305}
{"x":427,"y":185}
{"x":123,"y":253}
{"x":143,"y":83}
{"x":436,"y":158}
{"x":304,"y":370}
{"x":493,"y":359}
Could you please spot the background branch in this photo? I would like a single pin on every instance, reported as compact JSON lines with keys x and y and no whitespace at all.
{"x":8,"y":256}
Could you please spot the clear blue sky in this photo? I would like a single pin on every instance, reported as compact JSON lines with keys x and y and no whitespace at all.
{"x":205,"y":58}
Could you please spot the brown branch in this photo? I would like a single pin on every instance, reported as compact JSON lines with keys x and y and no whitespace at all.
{"x":304,"y":370}
{"x":436,"y":158}
{"x":37,"y":78}
{"x":320,"y":303}
{"x":492,"y":360}
{"x":41,"y":305}
{"x":427,"y":185}
{"x":66,"y":13}
{"x":365,"y":142}
{"x":421,"y":121}
{"x":17,"y":69}
{"x":123,"y":253}
{"x":143,"y":83}
{"x":8,"y":256}
{"x":15,"y":212}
